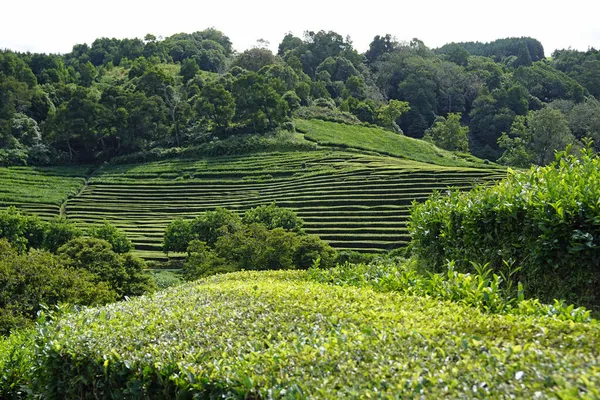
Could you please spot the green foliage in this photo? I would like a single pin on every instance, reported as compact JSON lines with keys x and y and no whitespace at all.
{"x":30,"y":280}
{"x":216,"y":104}
{"x":389,"y":114}
{"x":481,"y":288}
{"x":536,"y":138}
{"x":203,"y":261}
{"x":326,"y":114}
{"x":178,"y":235}
{"x":544,"y":221}
{"x":274,"y":217}
{"x":118,"y":239}
{"x":123,"y":273}
{"x":214,"y":224}
{"x":272,"y":334}
{"x":448,"y":133}
{"x":267,"y":237}
{"x":379,"y":140}
{"x":165,"y":279}
{"x":60,"y":231}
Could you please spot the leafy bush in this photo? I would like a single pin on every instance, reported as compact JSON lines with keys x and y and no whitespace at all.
{"x":274,"y":217}
{"x":544,"y":221}
{"x":203,"y":261}
{"x":272,"y":335}
{"x":29,"y":280}
{"x":124,"y":273}
{"x":267,"y":237}
{"x":58,"y":232}
{"x":484,"y":290}
{"x":21,"y":231}
{"x":118,"y":239}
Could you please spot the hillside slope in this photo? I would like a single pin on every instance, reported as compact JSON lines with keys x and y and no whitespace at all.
{"x":384,"y":142}
{"x":354,"y":201}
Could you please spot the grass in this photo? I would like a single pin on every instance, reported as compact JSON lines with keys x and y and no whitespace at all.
{"x":275,"y":335}
{"x":382,"y":141}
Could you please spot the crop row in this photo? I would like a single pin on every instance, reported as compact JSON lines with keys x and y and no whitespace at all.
{"x":354,"y":201}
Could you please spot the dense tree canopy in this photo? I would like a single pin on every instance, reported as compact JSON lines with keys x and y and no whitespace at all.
{"x":119,"y":96}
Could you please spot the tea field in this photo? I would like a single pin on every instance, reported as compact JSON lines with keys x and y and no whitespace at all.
{"x":280,"y":335}
{"x":355,"y":198}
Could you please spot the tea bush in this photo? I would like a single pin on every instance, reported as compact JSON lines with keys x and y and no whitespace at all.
{"x":486,"y":291}
{"x":545,"y":222}
{"x":268,"y":335}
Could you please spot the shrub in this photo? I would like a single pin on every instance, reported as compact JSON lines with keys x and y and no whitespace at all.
{"x":124,"y":273}
{"x":118,"y":239}
{"x":29,"y":280}
{"x":203,"y":261}
{"x":59,"y":232}
{"x":178,"y":235}
{"x":214,"y":224}
{"x":484,"y":290}
{"x":274,"y":217}
{"x":544,"y":221}
{"x":310,"y":248}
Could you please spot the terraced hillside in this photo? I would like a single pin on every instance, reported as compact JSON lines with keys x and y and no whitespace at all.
{"x":355,"y":201}
{"x":40,"y":191}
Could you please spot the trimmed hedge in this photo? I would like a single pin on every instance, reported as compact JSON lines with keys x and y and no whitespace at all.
{"x":542,"y":226}
{"x":271,"y":335}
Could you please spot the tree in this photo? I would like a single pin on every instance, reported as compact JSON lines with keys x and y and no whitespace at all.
{"x":38,"y":278}
{"x":448,"y":133}
{"x":388,"y":115}
{"x":255,"y":59}
{"x":189,"y":69}
{"x":179,"y":109}
{"x":274,"y":217}
{"x":123,"y":273}
{"x":216,"y":104}
{"x":118,"y":239}
{"x":178,"y":236}
{"x":536,"y":137}
{"x":214,"y":224}
{"x":257,"y":103}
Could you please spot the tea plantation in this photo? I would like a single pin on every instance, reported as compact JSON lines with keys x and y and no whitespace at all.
{"x":355,"y":199}
{"x":278,"y":335}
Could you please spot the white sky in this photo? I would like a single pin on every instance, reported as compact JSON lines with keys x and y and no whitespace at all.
{"x":55,"y":26}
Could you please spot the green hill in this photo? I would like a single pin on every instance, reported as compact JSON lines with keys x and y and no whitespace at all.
{"x":353,"y":198}
{"x":383,"y":142}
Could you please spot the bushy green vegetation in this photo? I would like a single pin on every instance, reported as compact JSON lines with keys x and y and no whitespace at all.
{"x":30,"y":280}
{"x":47,"y":263}
{"x":265,"y":238}
{"x":483,"y":289}
{"x":381,"y":141}
{"x":260,"y":335}
{"x":151,"y":97}
{"x":541,"y":226}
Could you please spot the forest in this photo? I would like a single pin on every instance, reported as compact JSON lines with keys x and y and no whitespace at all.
{"x":502,"y":101}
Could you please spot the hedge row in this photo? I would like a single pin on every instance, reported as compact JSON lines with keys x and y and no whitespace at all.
{"x":542,"y":226}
